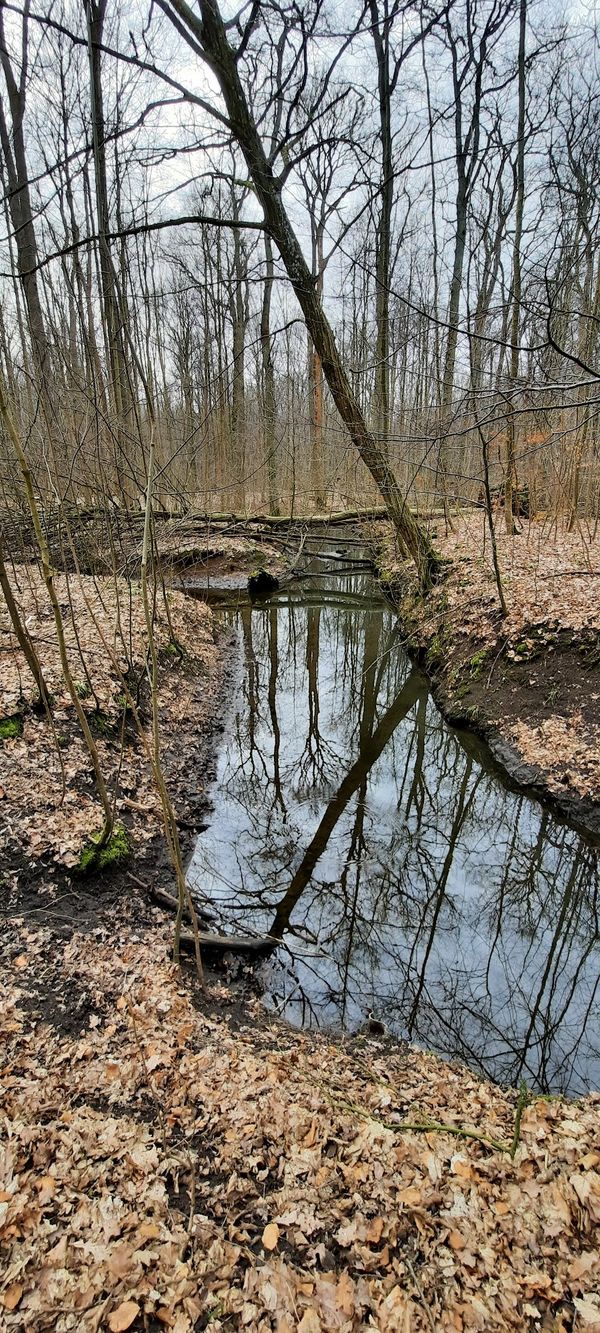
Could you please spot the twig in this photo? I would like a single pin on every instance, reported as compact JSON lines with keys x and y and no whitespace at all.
{"x":521,"y":1104}
{"x":136,"y":879}
{"x":422,"y":1126}
{"x":420,"y":1291}
{"x":503,"y":645}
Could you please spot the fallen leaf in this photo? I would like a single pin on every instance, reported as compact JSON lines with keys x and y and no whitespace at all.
{"x":11,"y":1297}
{"x":123,"y":1317}
{"x":375,"y":1231}
{"x":589,"y":1313}
{"x":270,"y":1236}
{"x":310,"y":1139}
{"x":310,"y":1322}
{"x":583,"y":1264}
{"x":149,"y":1230}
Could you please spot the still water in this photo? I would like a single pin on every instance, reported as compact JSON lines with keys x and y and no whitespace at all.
{"x":401,"y":877}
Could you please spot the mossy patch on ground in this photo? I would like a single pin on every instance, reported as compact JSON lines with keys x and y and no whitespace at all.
{"x":108,"y":857}
{"x":11,"y":727}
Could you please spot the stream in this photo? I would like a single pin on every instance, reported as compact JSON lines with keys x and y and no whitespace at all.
{"x":403,"y":878}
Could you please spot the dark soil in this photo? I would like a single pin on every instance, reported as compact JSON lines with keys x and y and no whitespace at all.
{"x":556,"y":681}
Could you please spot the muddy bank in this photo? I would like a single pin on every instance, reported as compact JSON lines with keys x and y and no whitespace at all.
{"x":527,"y":683}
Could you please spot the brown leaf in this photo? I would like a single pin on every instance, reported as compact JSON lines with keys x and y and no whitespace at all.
{"x":270,"y":1236}
{"x":345,"y":1294}
{"x":47,"y":1188}
{"x":123,"y":1317}
{"x":149,"y":1230}
{"x":375,"y":1231}
{"x":587,"y":1189}
{"x":589,"y":1314}
{"x":11,"y":1297}
{"x":310,"y":1322}
{"x":586,"y":1261}
{"x":310,"y":1139}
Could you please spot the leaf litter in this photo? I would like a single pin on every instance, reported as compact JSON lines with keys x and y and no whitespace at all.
{"x":48,"y":803}
{"x":165,"y":1166}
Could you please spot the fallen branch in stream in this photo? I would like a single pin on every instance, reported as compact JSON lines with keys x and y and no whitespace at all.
{"x":254,"y":945}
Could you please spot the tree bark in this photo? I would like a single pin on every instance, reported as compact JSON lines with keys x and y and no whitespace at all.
{"x":381,"y":414}
{"x":12,"y":142}
{"x":111,"y":304}
{"x":516,"y":305}
{"x":269,"y":405}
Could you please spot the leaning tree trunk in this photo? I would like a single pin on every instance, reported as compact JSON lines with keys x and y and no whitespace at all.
{"x":210,"y":33}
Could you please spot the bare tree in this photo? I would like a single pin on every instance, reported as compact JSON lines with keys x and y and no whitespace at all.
{"x":210,"y":34}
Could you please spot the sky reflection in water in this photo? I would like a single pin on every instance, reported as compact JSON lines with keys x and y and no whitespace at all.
{"x":402,"y":877}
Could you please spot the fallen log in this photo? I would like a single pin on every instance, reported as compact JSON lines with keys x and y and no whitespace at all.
{"x":254,"y":946}
{"x":212,"y":941}
{"x":167,"y":900}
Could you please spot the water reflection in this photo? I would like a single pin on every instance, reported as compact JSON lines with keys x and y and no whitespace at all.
{"x":399,"y":874}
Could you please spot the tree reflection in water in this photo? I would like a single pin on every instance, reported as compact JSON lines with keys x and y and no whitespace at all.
{"x":399,"y":874}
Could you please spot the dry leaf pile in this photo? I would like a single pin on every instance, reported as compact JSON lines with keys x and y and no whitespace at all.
{"x":551,"y":581}
{"x":48,"y":802}
{"x":162,"y":1168}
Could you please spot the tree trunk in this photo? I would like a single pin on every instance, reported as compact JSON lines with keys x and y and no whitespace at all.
{"x":269,"y":405}
{"x":210,"y":32}
{"x":381,"y":395}
{"x":119,"y":382}
{"x":13,"y":149}
{"x":516,"y":307}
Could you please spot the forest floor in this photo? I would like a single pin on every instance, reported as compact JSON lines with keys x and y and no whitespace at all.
{"x":529,"y":682}
{"x":175,"y":1158}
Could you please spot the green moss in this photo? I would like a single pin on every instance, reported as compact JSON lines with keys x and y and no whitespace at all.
{"x":114,"y":852}
{"x":477,"y":662}
{"x":10,"y":727}
{"x":435,"y":651}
